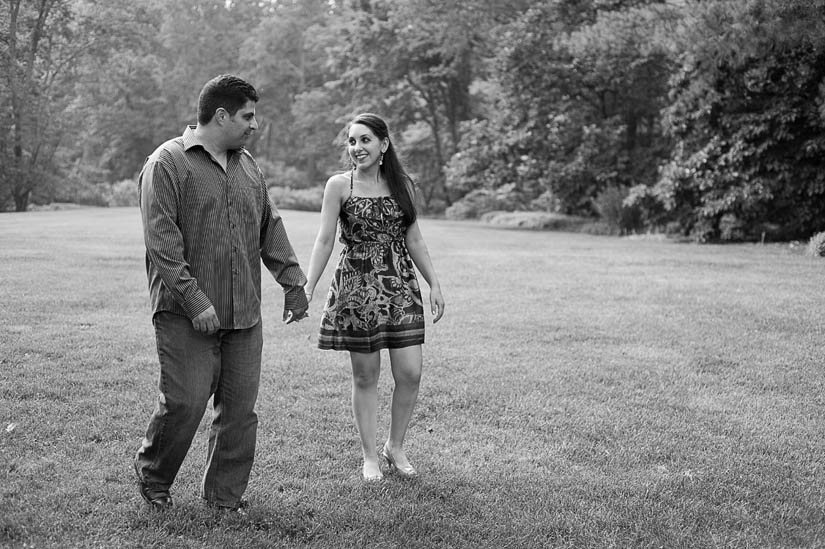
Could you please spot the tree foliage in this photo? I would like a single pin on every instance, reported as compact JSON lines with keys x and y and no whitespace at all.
{"x":414,"y":62}
{"x":698,"y":116}
{"x":746,"y":118}
{"x":578,"y":92}
{"x":40,"y":47}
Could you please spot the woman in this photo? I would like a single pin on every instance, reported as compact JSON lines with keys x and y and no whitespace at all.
{"x":374,"y":301}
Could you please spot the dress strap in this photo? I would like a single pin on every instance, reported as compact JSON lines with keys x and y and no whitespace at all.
{"x":350,"y":182}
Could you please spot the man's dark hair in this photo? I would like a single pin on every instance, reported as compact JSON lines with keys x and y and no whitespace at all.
{"x":227,"y":91}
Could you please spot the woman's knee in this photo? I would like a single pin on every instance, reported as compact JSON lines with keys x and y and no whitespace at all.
{"x":409,"y":377}
{"x":406,"y":366}
{"x":365,"y":370}
{"x":365,"y":379}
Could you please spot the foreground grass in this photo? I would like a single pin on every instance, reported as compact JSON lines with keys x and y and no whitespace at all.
{"x":580,"y":392}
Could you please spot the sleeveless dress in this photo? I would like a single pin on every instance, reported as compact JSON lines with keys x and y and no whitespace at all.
{"x":374,"y":300}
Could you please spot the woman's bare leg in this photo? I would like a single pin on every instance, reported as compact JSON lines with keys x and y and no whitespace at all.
{"x":366,"y":368}
{"x":406,"y":371}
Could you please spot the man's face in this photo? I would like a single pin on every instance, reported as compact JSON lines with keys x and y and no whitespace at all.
{"x":240,"y":126}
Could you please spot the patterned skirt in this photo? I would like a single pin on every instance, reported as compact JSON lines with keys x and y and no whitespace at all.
{"x":374,"y":300}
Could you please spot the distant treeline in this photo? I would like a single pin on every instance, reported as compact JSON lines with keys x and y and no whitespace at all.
{"x":704,"y":118}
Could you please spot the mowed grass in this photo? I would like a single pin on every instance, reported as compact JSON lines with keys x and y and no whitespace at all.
{"x":580,"y":391}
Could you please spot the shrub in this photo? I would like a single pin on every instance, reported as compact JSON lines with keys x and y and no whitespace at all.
{"x":816,"y":245}
{"x":731,"y":227}
{"x":546,"y":202}
{"x":535,"y":220}
{"x":619,"y":217}
{"x":278,"y":174}
{"x":598,"y":228}
{"x":123,"y":193}
{"x":308,"y":200}
{"x":480,"y":201}
{"x":703,"y":230}
{"x":462,"y":209}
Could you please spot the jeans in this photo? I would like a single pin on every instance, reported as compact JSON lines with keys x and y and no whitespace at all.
{"x":194,"y":367}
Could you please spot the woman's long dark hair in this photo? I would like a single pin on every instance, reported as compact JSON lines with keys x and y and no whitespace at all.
{"x":399,"y":181}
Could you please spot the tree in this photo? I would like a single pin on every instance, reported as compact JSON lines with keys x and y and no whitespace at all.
{"x":415,"y":62}
{"x":140,"y":87}
{"x":50,"y":53}
{"x":577,"y":89}
{"x":39,"y":48}
{"x":118,"y":94}
{"x":286,"y":56}
{"x":748,"y":120}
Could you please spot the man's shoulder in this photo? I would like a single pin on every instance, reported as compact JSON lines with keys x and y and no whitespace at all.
{"x":168,"y":149}
{"x":168,"y":157}
{"x":246,"y":156}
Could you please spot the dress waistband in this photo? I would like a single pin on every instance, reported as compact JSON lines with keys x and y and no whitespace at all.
{"x":374,"y":246}
{"x":375,"y":242}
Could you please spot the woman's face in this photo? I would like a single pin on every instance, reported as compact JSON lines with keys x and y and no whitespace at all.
{"x":364,"y":147}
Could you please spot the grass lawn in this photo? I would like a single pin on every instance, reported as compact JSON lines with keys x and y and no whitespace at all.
{"x":581,"y":391}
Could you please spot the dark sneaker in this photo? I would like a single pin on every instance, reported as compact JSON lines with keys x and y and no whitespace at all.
{"x":239,"y":508}
{"x":158,"y":500}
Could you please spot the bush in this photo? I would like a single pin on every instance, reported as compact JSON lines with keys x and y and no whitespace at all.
{"x":546,"y":202}
{"x":703,"y":231}
{"x":816,"y":245}
{"x":535,"y":220}
{"x":598,"y":228}
{"x":731,"y":228}
{"x":123,"y":193}
{"x":477,"y":202}
{"x":308,"y":200}
{"x":462,"y":209}
{"x":614,"y":213}
{"x":278,"y":174}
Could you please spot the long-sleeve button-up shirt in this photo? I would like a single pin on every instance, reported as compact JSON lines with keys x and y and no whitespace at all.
{"x":206,"y":232}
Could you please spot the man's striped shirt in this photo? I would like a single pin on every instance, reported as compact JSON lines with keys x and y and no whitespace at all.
{"x":206,"y":232}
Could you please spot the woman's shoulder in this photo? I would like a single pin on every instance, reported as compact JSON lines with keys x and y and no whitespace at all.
{"x":341,"y":177}
{"x":339,"y":180}
{"x":338,"y":184}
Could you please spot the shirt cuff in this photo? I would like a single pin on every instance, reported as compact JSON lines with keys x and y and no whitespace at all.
{"x":295,"y":299}
{"x":196,"y":304}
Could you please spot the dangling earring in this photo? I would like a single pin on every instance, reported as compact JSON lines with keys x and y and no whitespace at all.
{"x":381,"y":159}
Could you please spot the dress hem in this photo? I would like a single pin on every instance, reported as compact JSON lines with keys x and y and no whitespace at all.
{"x":371,"y":349}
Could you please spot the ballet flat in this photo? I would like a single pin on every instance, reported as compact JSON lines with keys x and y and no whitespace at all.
{"x":408,"y":471}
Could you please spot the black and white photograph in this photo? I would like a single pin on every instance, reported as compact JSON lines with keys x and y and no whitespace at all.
{"x":412,"y":274}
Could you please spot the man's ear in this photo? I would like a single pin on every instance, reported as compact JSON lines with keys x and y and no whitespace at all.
{"x":221,"y":115}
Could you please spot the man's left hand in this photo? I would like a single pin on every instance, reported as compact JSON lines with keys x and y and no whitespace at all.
{"x":295,"y":315}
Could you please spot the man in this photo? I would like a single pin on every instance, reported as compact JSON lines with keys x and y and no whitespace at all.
{"x":207,"y":225}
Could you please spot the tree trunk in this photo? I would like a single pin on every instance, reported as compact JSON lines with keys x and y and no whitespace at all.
{"x":21,"y":85}
{"x":21,"y":200}
{"x":435,"y":126}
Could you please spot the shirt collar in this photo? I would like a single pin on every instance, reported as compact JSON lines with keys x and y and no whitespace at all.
{"x":190,"y":138}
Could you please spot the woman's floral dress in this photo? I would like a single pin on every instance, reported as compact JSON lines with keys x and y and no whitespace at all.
{"x":374,"y":300}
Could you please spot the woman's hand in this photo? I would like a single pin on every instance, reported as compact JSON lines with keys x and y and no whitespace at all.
{"x":436,"y":303}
